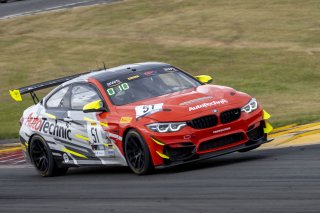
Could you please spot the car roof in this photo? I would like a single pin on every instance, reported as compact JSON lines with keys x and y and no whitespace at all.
{"x":112,"y":73}
{"x":115,"y":72}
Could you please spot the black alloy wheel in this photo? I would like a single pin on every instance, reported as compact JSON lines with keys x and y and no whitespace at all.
{"x":39,"y":156}
{"x":42,"y":159}
{"x":137,"y":153}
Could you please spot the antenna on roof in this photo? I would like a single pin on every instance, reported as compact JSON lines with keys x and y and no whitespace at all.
{"x":104,"y":65}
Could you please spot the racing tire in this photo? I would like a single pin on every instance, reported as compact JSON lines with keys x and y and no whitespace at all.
{"x":137,"y":153}
{"x":41,"y":157}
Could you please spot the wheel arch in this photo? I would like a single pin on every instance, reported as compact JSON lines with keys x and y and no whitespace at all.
{"x":125,"y":134}
{"x":124,"y":137}
{"x":30,"y":139}
{"x":149,"y":164}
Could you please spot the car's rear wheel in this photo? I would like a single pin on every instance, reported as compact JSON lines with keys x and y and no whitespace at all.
{"x":137,"y":153}
{"x":42,"y":159}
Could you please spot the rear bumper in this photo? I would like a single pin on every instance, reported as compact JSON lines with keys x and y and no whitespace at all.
{"x":198,"y":157}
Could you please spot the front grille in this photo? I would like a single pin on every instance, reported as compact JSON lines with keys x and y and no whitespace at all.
{"x":230,"y":115}
{"x":256,"y":133}
{"x":204,"y":122}
{"x":222,"y":141}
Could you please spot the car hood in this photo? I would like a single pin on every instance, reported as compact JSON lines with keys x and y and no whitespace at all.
{"x":187,"y":104}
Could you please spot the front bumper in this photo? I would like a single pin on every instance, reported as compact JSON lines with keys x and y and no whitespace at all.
{"x":190,"y":144}
{"x":197,"y":157}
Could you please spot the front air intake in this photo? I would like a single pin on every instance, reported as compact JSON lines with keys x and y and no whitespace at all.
{"x":219,"y":142}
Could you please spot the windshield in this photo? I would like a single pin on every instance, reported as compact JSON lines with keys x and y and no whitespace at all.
{"x":147,"y":84}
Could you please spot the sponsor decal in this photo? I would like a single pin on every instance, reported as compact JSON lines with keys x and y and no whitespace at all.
{"x":195,"y":100}
{"x":210,"y":104}
{"x":133,"y":77}
{"x":113,"y":83}
{"x":65,"y":157}
{"x":149,"y":72}
{"x":125,"y":120}
{"x":103,"y":150}
{"x":38,"y":124}
{"x":145,"y":110}
{"x":169,"y":69}
{"x":221,"y":130}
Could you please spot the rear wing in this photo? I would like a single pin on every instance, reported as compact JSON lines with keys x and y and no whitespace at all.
{"x":16,"y":93}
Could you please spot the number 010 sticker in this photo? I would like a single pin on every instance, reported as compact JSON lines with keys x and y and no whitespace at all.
{"x":147,"y":109}
{"x":122,"y":87}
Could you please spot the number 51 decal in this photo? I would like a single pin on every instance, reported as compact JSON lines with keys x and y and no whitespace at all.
{"x":95,"y":133}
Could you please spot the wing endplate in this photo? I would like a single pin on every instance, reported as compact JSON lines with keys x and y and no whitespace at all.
{"x":15,"y":95}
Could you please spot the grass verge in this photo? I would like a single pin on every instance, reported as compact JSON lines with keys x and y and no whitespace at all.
{"x":268,"y":49}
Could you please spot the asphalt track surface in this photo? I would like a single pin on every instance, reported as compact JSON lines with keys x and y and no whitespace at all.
{"x":24,"y":7}
{"x":270,"y":180}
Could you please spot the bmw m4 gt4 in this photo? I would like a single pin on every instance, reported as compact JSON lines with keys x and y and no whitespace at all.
{"x":144,"y":115}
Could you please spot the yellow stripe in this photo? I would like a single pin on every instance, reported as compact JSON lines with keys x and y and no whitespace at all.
{"x":107,"y":145}
{"x":93,"y":121}
{"x":287,"y":127}
{"x":73,"y":153}
{"x":89,"y":120}
{"x":82,"y":137}
{"x":104,"y":124}
{"x":312,"y":132}
{"x":157,"y":142}
{"x":10,"y":149}
{"x":50,"y":116}
{"x":295,"y":129}
{"x":162,"y":155}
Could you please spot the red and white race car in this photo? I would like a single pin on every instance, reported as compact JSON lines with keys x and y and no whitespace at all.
{"x":144,"y":115}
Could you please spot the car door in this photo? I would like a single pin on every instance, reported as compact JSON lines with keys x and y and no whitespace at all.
{"x":55,"y":108}
{"x":86,"y":128}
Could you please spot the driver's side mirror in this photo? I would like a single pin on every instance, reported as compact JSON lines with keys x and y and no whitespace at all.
{"x":94,"y":106}
{"x":207,"y":79}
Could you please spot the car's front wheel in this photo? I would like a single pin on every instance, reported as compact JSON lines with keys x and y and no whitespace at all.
{"x":42,"y":159}
{"x":137,"y":153}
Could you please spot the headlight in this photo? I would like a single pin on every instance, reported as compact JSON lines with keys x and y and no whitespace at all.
{"x":251,"y":106}
{"x":166,"y":127}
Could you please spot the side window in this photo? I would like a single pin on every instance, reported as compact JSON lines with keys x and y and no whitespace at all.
{"x":82,"y":95}
{"x":57,"y":100}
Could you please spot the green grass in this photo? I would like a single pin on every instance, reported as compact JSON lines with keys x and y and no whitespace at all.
{"x":270,"y":49}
